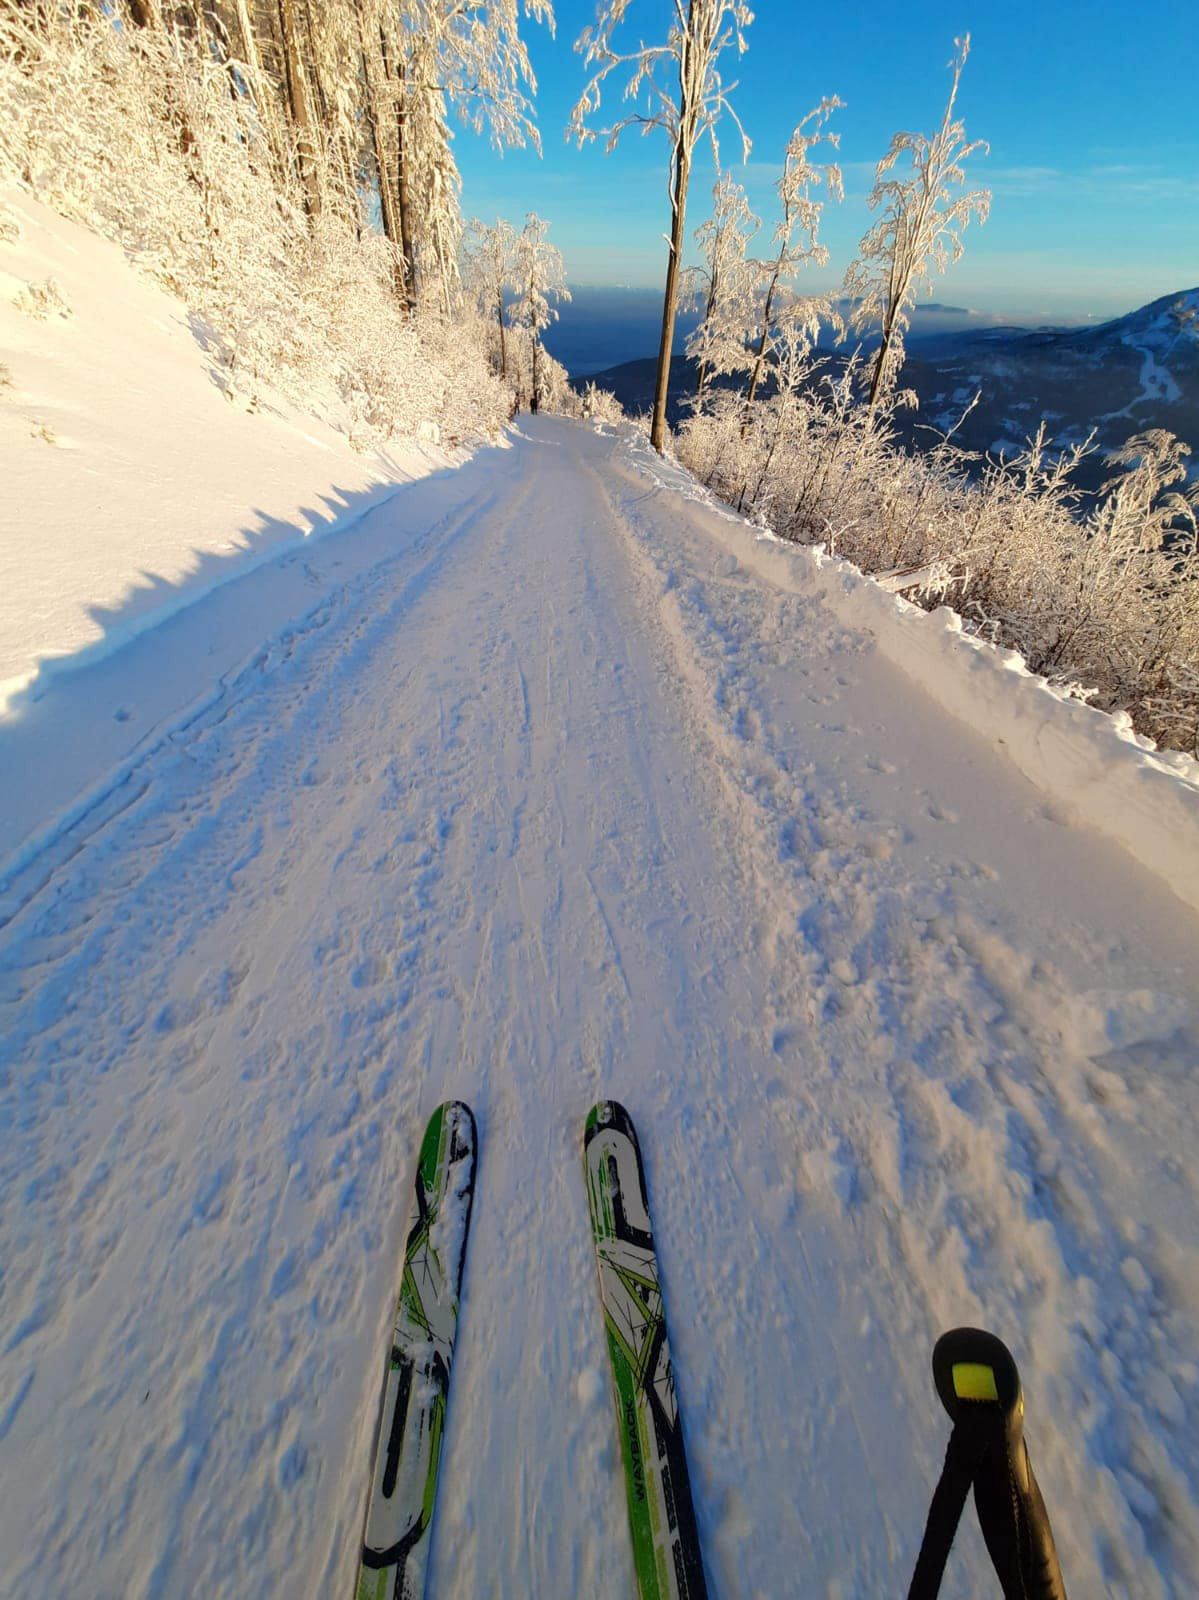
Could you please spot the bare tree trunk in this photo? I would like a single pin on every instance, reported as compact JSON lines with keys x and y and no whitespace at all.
{"x":262,"y":89}
{"x":373,"y":107}
{"x":880,"y":362}
{"x":298,"y":106}
{"x":249,"y":49}
{"x":536,"y":401}
{"x":704,"y":369}
{"x":404,"y":188}
{"x":897,"y":292}
{"x":403,"y":195}
{"x":760,"y":354}
{"x":678,"y":204}
{"x":499,"y":311}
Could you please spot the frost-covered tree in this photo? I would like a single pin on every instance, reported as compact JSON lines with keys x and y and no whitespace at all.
{"x":796,"y":239}
{"x":540,"y":277}
{"x":725,"y":283}
{"x":451,"y":56}
{"x":919,"y":231}
{"x":156,"y":136}
{"x":489,"y":268}
{"x":600,"y":405}
{"x":677,"y":87}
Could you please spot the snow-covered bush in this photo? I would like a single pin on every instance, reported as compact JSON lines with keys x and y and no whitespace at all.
{"x":1103,"y":598}
{"x":136,"y":133}
{"x":601,"y":405}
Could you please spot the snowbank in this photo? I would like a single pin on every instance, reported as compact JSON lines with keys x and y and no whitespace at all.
{"x":1090,"y":763}
{"x":133,"y":484}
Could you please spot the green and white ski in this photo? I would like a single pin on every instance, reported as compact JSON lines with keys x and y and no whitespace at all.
{"x":666,"y":1552}
{"x":411,"y":1427}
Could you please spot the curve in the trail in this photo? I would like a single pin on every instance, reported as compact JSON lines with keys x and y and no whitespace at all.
{"x":554,"y":804}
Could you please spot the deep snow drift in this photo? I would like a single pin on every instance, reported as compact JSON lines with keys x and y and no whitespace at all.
{"x":551,"y":791}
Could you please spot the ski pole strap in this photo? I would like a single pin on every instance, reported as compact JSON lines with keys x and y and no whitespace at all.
{"x":957,"y":1475}
{"x":979,"y":1386}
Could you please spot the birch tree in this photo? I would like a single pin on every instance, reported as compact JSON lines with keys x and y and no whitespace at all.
{"x":677,"y":87}
{"x":725,"y":282}
{"x":919,"y":231}
{"x":796,"y":238}
{"x":540,"y":276}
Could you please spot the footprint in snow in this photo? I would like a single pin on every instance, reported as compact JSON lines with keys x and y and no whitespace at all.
{"x":370,"y":973}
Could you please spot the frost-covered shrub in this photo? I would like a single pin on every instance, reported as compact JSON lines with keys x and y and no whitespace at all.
{"x":135,"y":133}
{"x":601,"y":404}
{"x":1105,"y":597}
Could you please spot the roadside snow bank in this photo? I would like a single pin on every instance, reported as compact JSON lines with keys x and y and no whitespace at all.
{"x":132,"y":484}
{"x":1090,"y":763}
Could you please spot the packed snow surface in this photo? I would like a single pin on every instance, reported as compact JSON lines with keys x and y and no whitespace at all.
{"x":549,"y":790}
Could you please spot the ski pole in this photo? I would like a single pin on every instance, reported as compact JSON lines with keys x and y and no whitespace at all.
{"x":979,"y":1387}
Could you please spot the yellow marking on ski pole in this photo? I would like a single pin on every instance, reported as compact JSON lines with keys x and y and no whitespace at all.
{"x":974,"y":1381}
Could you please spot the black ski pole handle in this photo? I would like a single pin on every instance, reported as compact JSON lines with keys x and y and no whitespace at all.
{"x":979,"y":1386}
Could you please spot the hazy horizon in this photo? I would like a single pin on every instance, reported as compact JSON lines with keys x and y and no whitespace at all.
{"x":605,"y":325}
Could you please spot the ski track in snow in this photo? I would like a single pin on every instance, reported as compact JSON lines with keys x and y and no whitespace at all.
{"x":555,"y":805}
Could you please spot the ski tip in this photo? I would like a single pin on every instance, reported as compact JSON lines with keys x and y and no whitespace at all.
{"x":608,"y":1114}
{"x":457,"y":1111}
{"x":452,"y":1125}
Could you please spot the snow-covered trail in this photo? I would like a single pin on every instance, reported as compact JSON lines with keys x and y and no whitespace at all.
{"x":560,"y":803}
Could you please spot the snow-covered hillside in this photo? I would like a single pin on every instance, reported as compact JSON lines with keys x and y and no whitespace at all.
{"x":553,"y":788}
{"x":133,"y":479}
{"x":1137,"y":371}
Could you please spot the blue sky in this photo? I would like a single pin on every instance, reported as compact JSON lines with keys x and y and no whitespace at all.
{"x":1088,"y":109}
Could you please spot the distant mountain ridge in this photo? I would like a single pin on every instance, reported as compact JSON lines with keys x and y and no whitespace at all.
{"x":602,"y":326}
{"x":1135,"y":372}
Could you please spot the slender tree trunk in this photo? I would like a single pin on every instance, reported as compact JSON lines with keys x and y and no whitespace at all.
{"x":403,"y":193}
{"x":704,"y":369}
{"x":373,"y":108}
{"x":298,"y":106}
{"x":261,"y":88}
{"x":249,"y":50}
{"x":499,"y":313}
{"x":404,"y":186}
{"x":901,"y":278}
{"x":678,"y":203}
{"x":536,"y":401}
{"x":769,"y":461}
{"x":880,"y":361}
{"x":760,"y":354}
